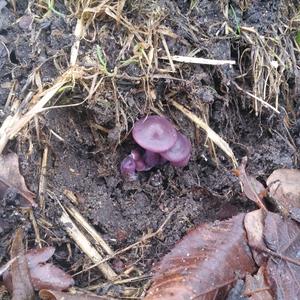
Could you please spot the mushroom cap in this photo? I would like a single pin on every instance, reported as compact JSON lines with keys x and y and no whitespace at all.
{"x":181,"y":163}
{"x":180,"y":151}
{"x":138,"y":159}
{"x":128,"y":167}
{"x":154,"y":133}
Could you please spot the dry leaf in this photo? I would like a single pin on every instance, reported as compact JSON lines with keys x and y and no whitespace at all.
{"x":295,"y":214}
{"x":6,"y":266}
{"x":10,"y":177}
{"x":252,"y":188}
{"x":205,"y":263}
{"x":48,"y":276}
{"x":278,"y":240}
{"x":39,"y":255}
{"x":56,"y":295}
{"x":21,"y":284}
{"x":284,"y":186}
{"x":43,"y":275}
{"x":283,"y":237}
{"x":257,"y":287}
{"x":254,"y":225}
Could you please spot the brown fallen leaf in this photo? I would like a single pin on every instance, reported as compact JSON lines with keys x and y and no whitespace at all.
{"x":48,"y":276}
{"x":7,"y":265}
{"x":284,"y":186}
{"x":10,"y":177}
{"x":43,"y":275}
{"x":275,"y":242}
{"x":205,"y":263}
{"x":257,"y":287}
{"x":252,"y":188}
{"x":39,"y":255}
{"x":56,"y":295}
{"x":22,"y":287}
{"x":295,"y":214}
{"x":254,"y":225}
{"x":283,"y":236}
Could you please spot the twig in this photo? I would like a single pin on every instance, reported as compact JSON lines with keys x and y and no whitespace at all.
{"x":278,"y":255}
{"x":264,"y":103}
{"x":199,"y":60}
{"x":36,"y":229}
{"x":78,"y":32}
{"x":168,"y":52}
{"x":210,"y":133}
{"x":43,"y":179}
{"x":120,"y":281}
{"x":255,"y":291}
{"x":145,"y":238}
{"x":91,"y":230}
{"x":85,"y":245}
{"x":71,"y":196}
{"x":7,"y":265}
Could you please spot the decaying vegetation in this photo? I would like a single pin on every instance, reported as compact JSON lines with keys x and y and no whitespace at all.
{"x":76,"y":74}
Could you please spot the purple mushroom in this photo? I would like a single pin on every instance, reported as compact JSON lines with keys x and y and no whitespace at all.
{"x":139,"y":160}
{"x":159,"y":142}
{"x":128,"y":168}
{"x":154,"y":133}
{"x":181,"y":163}
{"x":152,"y":159}
{"x":179,"y":153}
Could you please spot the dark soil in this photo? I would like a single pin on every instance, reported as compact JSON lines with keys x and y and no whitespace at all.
{"x":86,"y":160}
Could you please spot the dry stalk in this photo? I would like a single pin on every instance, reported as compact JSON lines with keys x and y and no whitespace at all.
{"x":13,"y":124}
{"x":270,"y":57}
{"x":43,"y":179}
{"x":212,"y":135}
{"x":84,"y":244}
{"x":90,"y":229}
{"x":143,"y":240}
{"x":199,"y":60}
{"x":120,"y":6}
{"x":7,"y":265}
{"x":36,"y":229}
{"x":78,"y":33}
{"x":263,"y":103}
{"x":170,"y":58}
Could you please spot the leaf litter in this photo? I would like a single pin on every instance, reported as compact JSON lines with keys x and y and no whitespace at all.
{"x":259,"y":63}
{"x":10,"y":178}
{"x":203,"y":264}
{"x":257,"y":287}
{"x":284,"y":189}
{"x":20,"y":278}
{"x":252,"y":188}
{"x":237,"y":246}
{"x":57,"y":295}
{"x":31,"y":272}
{"x":283,"y":237}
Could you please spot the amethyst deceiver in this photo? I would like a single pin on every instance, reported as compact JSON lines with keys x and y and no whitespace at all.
{"x":180,"y":151}
{"x":128,"y":168}
{"x":160,"y":142}
{"x":151,"y":159}
{"x":154,"y":133}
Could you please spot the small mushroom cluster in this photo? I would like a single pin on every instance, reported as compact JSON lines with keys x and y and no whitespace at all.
{"x":160,"y":142}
